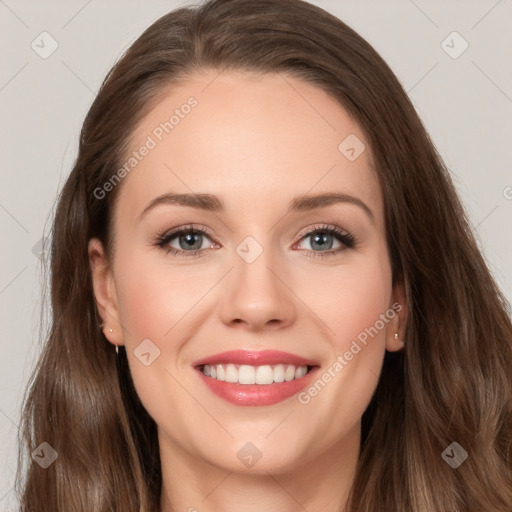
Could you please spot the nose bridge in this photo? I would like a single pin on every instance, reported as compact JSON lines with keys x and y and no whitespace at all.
{"x":256,"y":294}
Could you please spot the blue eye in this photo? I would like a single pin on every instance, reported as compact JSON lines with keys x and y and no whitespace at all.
{"x":192,"y":241}
{"x":323,"y":238}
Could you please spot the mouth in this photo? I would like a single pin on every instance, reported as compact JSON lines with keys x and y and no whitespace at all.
{"x":255,"y":378}
{"x":262,"y":375}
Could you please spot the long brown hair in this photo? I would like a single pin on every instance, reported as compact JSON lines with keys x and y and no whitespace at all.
{"x":451,"y":383}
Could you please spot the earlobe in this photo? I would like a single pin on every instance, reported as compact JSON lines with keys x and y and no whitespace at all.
{"x":104,"y":292}
{"x":395,"y":332}
{"x":396,"y":344}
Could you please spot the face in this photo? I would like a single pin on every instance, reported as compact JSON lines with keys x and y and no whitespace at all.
{"x":258,"y":267}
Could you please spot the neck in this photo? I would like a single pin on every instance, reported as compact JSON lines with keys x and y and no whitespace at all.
{"x":190,"y":484}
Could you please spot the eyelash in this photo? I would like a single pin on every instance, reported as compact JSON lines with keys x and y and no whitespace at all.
{"x":341,"y":235}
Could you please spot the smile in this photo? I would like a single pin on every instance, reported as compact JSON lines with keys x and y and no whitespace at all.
{"x":263,"y":375}
{"x":255,"y":378}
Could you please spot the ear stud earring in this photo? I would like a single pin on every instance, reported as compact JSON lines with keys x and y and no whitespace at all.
{"x":100,"y":325}
{"x":109,"y":330}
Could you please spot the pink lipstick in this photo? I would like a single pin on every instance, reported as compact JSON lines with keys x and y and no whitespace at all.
{"x":255,"y":378}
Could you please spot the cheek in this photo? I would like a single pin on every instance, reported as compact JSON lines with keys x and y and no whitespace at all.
{"x":153,"y":296}
{"x":349,"y":299}
{"x":153,"y":302}
{"x":354,"y":300}
{"x":364,"y":298}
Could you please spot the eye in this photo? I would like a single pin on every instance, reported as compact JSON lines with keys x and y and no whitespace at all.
{"x":322,"y":239}
{"x":188,"y":241}
{"x":185,"y":241}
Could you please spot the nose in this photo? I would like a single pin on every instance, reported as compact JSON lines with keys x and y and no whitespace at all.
{"x":257,"y":296}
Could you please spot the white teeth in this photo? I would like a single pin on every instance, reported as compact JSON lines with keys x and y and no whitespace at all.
{"x":230,"y":374}
{"x":264,"y":375}
{"x":300,"y":372}
{"x":289,"y":374}
{"x":279,"y":373}
{"x":245,"y":374}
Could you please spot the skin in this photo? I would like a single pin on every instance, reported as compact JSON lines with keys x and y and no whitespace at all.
{"x":256,"y":142}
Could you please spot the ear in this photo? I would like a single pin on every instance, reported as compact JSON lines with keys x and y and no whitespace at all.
{"x":105,"y":292}
{"x":395,"y":331}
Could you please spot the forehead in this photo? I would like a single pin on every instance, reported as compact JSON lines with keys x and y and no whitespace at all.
{"x":248,"y":137}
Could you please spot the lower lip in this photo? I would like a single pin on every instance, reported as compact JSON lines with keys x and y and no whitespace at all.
{"x":257,"y":394}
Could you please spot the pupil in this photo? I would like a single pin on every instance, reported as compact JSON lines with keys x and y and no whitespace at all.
{"x":320,"y":240}
{"x":191,"y":241}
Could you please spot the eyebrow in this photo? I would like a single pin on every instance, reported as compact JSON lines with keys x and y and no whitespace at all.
{"x":212,"y":203}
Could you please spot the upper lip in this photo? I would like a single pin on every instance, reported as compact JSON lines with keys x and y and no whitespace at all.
{"x":255,"y":358}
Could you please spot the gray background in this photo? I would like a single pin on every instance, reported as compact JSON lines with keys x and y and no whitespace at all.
{"x":465,"y":103}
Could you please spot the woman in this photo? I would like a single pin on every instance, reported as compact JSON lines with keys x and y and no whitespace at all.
{"x":259,"y":223}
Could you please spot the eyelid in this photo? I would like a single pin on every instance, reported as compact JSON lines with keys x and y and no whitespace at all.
{"x":344,"y":237}
{"x":187,"y":228}
{"x":164,"y":238}
{"x":309,"y":230}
